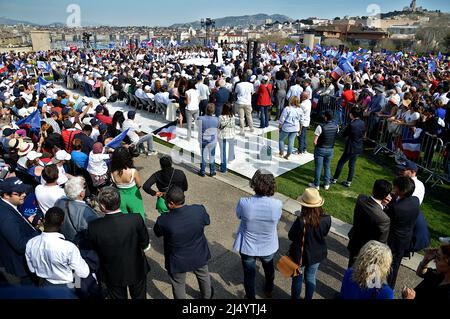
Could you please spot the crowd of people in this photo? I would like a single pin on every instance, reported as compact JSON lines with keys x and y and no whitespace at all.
{"x":72,"y":206}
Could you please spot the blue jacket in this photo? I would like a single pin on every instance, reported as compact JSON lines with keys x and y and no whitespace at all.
{"x":15,"y":232}
{"x":185,"y":244}
{"x":354,"y":133}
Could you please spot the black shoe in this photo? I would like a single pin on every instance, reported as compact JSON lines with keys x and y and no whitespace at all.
{"x":201,"y":174}
{"x":212,"y":293}
{"x":213,"y":174}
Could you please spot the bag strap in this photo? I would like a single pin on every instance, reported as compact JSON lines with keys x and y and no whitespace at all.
{"x":303,"y":242}
{"x":170,"y":182}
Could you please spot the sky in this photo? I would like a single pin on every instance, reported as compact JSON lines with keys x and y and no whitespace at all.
{"x":166,"y":13}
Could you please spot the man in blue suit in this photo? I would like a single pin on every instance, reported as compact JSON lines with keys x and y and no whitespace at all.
{"x":185,"y":245}
{"x":15,"y":230}
{"x":354,"y":146}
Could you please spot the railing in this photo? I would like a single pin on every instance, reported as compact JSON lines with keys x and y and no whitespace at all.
{"x":428,"y":151}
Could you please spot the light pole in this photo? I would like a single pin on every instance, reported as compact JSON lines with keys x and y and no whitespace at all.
{"x":208,"y":24}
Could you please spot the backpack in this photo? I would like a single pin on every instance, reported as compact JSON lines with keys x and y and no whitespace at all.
{"x":421,"y":236}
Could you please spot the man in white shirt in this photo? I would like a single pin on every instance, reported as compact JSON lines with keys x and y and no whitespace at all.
{"x":295,"y":90}
{"x":409,"y":169}
{"x":203,"y":90}
{"x":53,"y":258}
{"x":308,"y":89}
{"x":137,"y":137}
{"x":48,"y":194}
{"x":305,"y":110}
{"x":244,"y":91}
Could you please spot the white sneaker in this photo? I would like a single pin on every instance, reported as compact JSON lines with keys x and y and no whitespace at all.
{"x":326,"y":187}
{"x":150,"y":153}
{"x":314,"y":186}
{"x":444,"y":240}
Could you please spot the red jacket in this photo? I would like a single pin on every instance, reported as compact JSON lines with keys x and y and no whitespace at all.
{"x":68,"y":136}
{"x":104,"y":119}
{"x":348,"y":97}
{"x":264,"y":95}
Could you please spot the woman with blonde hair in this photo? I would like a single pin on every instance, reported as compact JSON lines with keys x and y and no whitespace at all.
{"x":289,"y":125}
{"x":367,"y":278}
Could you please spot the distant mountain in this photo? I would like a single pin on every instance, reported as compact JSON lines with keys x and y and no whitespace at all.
{"x":7,"y":21}
{"x":243,"y":21}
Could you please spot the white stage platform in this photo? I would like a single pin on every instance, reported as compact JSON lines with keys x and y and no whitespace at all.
{"x":247,"y":148}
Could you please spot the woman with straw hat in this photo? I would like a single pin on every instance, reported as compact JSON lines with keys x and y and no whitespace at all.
{"x":308,"y":245}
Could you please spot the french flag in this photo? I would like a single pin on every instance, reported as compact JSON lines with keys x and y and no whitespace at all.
{"x":168,"y":131}
{"x":3,"y":68}
{"x":412,"y":144}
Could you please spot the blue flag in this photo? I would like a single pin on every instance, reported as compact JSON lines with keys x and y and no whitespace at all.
{"x":34,"y":120}
{"x":439,"y":56}
{"x":115,"y":143}
{"x":41,"y":81}
{"x":432,"y":66}
{"x":345,"y":65}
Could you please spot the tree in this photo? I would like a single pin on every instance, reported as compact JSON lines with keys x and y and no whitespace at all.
{"x":337,"y":18}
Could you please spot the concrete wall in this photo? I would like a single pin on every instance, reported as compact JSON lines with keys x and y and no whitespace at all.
{"x":40,"y":40}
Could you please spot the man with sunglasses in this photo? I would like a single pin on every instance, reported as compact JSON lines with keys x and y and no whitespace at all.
{"x":15,"y":230}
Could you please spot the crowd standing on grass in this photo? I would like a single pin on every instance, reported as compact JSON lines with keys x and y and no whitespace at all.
{"x":68,"y":182}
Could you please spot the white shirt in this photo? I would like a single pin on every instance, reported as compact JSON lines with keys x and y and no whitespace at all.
{"x":162,"y":98}
{"x":378,"y":202}
{"x":309,"y":91}
{"x":305,"y":108}
{"x":203,"y":90}
{"x":97,"y":165}
{"x":53,"y":258}
{"x":244,"y":91}
{"x":134,"y":127}
{"x":48,"y":195}
{"x":140,"y":94}
{"x":194,"y":100}
{"x":295,"y":90}
{"x":419,"y":192}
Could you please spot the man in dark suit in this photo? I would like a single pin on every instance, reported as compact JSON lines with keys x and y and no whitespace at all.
{"x":185,"y":245}
{"x":120,"y":241}
{"x":370,"y":222}
{"x":15,"y":230}
{"x":403,"y":213}
{"x":354,"y":132}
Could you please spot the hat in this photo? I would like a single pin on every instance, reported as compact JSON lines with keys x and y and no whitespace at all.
{"x":265,"y":78}
{"x":86,"y":100}
{"x":408,"y":166}
{"x":61,"y":155}
{"x":54,"y":113}
{"x":99,"y":109}
{"x":24,"y":148}
{"x":33,"y":155}
{"x":49,"y":100}
{"x":94,"y":122}
{"x":253,"y":78}
{"x":97,"y":148}
{"x":14,"y":143}
{"x":8,"y":132}
{"x":21,"y":133}
{"x":103,"y":100}
{"x":131,"y":114}
{"x":311,"y":198}
{"x":379,"y":88}
{"x":13,"y":185}
{"x":147,"y":88}
{"x":49,"y":84}
{"x":67,"y":124}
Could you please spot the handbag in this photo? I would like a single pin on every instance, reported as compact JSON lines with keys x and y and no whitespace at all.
{"x":286,"y":266}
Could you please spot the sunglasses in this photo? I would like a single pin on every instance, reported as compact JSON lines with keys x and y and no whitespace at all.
{"x":18,"y":194}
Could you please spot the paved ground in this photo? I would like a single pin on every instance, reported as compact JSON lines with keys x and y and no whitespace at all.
{"x":227,"y":276}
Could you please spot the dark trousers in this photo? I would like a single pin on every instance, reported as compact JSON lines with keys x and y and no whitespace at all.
{"x":249,"y":265}
{"x":396,"y":263}
{"x":137,"y":291}
{"x":351,"y":159}
{"x":202,"y":106}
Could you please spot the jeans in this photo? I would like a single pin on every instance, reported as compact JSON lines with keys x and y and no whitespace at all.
{"x":302,"y":143}
{"x":281,"y":99}
{"x":208,"y":150}
{"x":310,"y":282}
{"x":351,"y":159}
{"x":178,"y":282}
{"x":223,"y":152}
{"x":265,"y":116}
{"x":190,"y":115}
{"x":146,"y":139}
{"x":291,"y":139}
{"x":322,"y":157}
{"x":249,"y":265}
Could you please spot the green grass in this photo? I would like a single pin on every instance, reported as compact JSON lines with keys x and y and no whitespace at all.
{"x":340,"y":201}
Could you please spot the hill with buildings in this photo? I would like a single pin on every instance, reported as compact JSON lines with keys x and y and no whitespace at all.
{"x":239,"y":21}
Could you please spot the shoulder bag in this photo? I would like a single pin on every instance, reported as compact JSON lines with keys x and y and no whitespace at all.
{"x":286,"y":266}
